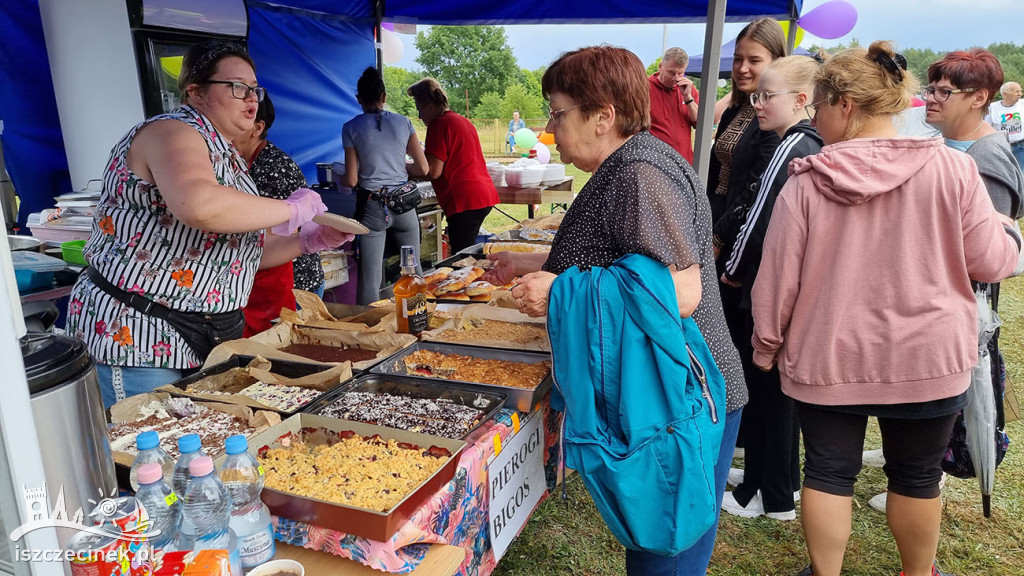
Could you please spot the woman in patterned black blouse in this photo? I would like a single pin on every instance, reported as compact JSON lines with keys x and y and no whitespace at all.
{"x":276,"y":175}
{"x":643,"y":198}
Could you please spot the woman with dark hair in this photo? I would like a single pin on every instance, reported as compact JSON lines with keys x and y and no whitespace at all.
{"x":179,"y":232}
{"x":864,"y":302}
{"x":276,"y":175}
{"x":457,"y":168}
{"x":376,"y":143}
{"x":643,"y":198}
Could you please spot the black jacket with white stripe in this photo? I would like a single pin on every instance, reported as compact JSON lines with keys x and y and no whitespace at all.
{"x":800,"y":140}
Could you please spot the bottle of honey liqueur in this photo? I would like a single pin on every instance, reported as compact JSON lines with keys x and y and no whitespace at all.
{"x":410,"y":296}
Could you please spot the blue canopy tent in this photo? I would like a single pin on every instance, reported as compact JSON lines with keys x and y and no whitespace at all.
{"x":309,"y":54}
{"x":696,"y":64}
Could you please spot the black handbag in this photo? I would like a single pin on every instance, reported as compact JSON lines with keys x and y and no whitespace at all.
{"x":402,"y":198}
{"x":201,"y":331}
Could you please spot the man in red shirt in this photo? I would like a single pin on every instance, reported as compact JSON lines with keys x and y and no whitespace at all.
{"x":673,"y":102}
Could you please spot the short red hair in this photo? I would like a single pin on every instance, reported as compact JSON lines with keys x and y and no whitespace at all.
{"x":598,"y":76}
{"x":975,"y":68}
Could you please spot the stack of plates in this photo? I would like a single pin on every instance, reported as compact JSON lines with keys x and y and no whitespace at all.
{"x":496,"y":170}
{"x":553,"y":174}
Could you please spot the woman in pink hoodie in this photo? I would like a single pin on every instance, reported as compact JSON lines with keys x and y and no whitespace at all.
{"x":864,"y":301}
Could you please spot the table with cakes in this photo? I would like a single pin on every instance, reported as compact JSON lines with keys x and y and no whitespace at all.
{"x":383,"y":451}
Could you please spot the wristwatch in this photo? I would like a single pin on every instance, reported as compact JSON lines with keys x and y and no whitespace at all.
{"x":688,"y":102}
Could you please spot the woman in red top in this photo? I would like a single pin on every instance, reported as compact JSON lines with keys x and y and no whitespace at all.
{"x":457,"y":168}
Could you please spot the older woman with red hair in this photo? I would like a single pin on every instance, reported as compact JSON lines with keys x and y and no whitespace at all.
{"x":643,"y":198}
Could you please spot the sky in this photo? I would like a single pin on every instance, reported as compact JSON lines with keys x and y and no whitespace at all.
{"x":941,"y":25}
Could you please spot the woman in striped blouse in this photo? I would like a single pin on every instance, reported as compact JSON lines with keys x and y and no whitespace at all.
{"x":179,"y":232}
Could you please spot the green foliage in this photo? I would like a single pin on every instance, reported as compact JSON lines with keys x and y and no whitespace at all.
{"x":489,"y":106}
{"x":654,"y":66}
{"x":473,"y":58}
{"x":518,"y":97}
{"x":396,"y":81}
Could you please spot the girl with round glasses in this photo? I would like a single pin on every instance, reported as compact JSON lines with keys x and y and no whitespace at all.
{"x":771,"y":473}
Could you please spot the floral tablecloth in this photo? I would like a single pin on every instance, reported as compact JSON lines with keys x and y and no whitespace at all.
{"x":457,"y":514}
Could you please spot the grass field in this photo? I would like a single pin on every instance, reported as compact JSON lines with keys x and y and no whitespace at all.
{"x":570,"y":538}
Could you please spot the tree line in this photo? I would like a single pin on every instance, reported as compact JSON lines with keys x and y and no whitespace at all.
{"x":479,"y":71}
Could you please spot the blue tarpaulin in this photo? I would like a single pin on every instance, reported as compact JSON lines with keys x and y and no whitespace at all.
{"x":309,"y":63}
{"x":32,"y":140}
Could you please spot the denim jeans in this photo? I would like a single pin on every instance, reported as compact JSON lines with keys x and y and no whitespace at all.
{"x":1018,"y":152}
{"x":694,"y":560}
{"x":405,"y":228}
{"x":120,"y":382}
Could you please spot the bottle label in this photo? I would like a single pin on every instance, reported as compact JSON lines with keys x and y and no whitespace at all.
{"x":415,"y":309}
{"x":257,"y":548}
{"x":171,"y":498}
{"x":260,"y":469}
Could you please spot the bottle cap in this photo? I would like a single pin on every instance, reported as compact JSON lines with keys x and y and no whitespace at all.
{"x":201,"y":466}
{"x":149,"y":473}
{"x":408,"y":257}
{"x":236,"y":444}
{"x":189,"y":443}
{"x":147,"y":440}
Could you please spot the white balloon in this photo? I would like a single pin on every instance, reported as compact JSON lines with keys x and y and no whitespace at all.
{"x":543,"y":153}
{"x":391,"y":46}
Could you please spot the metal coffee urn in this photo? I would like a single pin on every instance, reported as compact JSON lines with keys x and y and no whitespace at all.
{"x":70,"y":423}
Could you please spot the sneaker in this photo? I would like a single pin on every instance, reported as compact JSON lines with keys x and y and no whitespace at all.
{"x":739,"y":453}
{"x":873,"y":458}
{"x":753,"y":509}
{"x":735,"y":477}
{"x":809,"y":571}
{"x":877,"y":502}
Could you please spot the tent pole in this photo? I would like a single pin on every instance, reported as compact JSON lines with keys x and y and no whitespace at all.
{"x":791,"y":40}
{"x":378,"y":18}
{"x":709,"y":87}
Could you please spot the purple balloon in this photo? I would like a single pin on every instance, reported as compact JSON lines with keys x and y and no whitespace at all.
{"x":831,"y":20}
{"x":388,"y":26}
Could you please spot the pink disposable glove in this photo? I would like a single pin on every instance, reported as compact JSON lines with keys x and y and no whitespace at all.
{"x":303,"y":204}
{"x":315,"y":238}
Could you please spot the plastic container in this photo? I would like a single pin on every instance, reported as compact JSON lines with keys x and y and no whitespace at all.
{"x":207,"y":512}
{"x":242,"y":476}
{"x":190,"y":447}
{"x":34,"y":270}
{"x":148,"y":443}
{"x":71,"y":252}
{"x":162,"y":506}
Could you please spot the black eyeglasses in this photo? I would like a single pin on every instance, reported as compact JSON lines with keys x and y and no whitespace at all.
{"x":763,"y":98}
{"x":241,"y":90}
{"x":943,"y":94}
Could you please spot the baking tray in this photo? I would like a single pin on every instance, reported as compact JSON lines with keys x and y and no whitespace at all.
{"x":522,"y":400}
{"x":284,"y":368}
{"x":372,"y":524}
{"x":485,"y":399}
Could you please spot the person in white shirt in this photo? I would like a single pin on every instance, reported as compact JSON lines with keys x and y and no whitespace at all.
{"x":1005,"y":116}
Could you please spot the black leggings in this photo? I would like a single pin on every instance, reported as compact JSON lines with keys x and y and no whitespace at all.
{"x":834,"y":442}
{"x":464,"y":227}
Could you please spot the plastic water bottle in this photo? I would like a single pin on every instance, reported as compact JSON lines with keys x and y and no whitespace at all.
{"x":242,"y":475}
{"x":208,"y":513}
{"x":148,"y":444}
{"x":190,"y":447}
{"x":161,"y":503}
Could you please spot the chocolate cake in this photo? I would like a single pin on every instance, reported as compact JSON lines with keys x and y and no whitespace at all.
{"x":322,"y":353}
{"x":434,"y":416}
